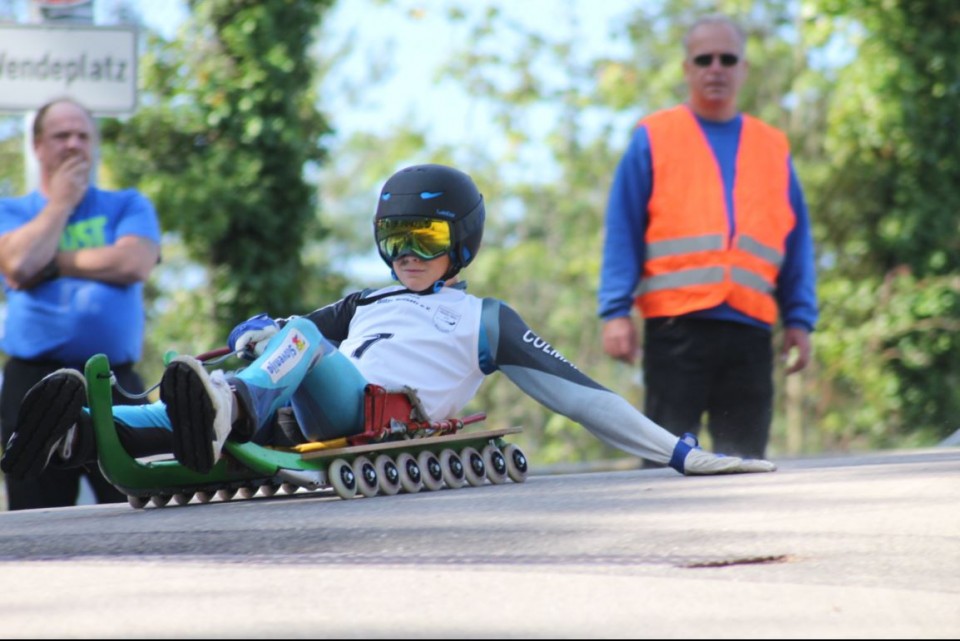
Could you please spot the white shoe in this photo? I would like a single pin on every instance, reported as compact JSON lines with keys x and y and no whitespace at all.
{"x":223,"y":398}
{"x":699,"y":462}
{"x":200,"y":408}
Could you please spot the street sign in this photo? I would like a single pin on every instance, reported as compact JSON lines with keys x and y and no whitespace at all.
{"x":95,"y":65}
{"x":78,"y":11}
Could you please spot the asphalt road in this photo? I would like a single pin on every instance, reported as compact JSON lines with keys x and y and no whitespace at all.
{"x":846,"y":547}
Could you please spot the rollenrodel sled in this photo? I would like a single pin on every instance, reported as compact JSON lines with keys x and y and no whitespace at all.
{"x":395,"y":453}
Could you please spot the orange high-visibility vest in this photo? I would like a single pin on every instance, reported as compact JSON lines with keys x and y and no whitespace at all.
{"x":692,"y":263}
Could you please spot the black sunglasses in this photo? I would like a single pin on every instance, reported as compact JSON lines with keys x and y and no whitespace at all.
{"x":706,"y":59}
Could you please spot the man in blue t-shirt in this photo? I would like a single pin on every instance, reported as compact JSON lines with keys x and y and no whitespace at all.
{"x":74,"y":259}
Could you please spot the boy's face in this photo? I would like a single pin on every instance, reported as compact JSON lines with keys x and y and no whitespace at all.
{"x":417,"y":274}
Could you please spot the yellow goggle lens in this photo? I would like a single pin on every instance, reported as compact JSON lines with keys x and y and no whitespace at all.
{"x":425,"y":238}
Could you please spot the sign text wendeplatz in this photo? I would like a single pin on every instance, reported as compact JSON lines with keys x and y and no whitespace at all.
{"x":93,"y":64}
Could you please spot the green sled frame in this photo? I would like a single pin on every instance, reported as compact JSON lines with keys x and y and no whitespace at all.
{"x":456,"y":458}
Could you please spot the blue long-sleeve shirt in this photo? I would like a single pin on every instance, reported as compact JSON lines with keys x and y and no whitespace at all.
{"x":624,"y":248}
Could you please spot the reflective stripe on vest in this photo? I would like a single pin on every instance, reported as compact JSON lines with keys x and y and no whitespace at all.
{"x":690,"y":264}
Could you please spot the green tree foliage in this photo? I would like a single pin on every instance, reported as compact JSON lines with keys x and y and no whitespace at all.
{"x":11,"y":161}
{"x":867,"y":93}
{"x":228,"y":138}
{"x":891,"y":283}
{"x":223,"y":143}
{"x":544,"y":238}
{"x":542,"y":242}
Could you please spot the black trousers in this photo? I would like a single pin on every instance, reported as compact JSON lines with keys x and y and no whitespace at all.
{"x":722,"y":370}
{"x":55,"y":487}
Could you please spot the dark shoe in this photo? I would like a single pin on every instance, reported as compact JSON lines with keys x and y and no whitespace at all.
{"x":47,"y":413}
{"x":199,"y":406}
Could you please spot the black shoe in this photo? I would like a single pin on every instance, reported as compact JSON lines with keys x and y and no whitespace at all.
{"x":199,"y":406}
{"x":47,"y":412}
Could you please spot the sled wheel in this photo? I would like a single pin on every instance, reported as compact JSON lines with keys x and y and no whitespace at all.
{"x":411,"y":480}
{"x":431,"y":469}
{"x":247,"y":491}
{"x":342,"y":478}
{"x":473,"y":466}
{"x":204,"y":497}
{"x":387,"y":475}
{"x":289,"y":488}
{"x":226,"y":493}
{"x":496,"y":464}
{"x":269,"y":489}
{"x":516,"y":463}
{"x":160,"y":500}
{"x":137,"y":502}
{"x":366,"y":473}
{"x":452,"y":468}
{"x":182,"y":498}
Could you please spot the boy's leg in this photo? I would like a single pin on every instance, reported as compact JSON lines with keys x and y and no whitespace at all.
{"x":55,"y":436}
{"x":203,"y":409}
{"x":301,"y":366}
{"x":329,"y":402}
{"x":144,"y":430}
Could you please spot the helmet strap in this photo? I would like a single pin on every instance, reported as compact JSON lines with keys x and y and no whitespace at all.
{"x":454,"y":268}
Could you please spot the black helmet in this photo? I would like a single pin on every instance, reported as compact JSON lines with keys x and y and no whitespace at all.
{"x":436,"y":192}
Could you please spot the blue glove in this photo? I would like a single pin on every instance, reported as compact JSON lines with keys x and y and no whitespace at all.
{"x":252,"y":334}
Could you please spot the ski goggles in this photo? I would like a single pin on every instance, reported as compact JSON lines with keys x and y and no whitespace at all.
{"x":425,"y":238}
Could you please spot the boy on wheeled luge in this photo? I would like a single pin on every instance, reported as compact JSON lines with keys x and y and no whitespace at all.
{"x":428,"y":227}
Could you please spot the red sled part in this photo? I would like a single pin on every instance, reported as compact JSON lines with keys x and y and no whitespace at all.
{"x":397,"y":414}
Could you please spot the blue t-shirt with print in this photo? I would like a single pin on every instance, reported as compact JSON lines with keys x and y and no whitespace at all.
{"x":70,"y":319}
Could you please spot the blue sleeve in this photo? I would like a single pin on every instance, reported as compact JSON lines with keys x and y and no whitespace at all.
{"x":139,"y":217}
{"x":796,"y":282}
{"x":13,"y":213}
{"x":624,"y":228}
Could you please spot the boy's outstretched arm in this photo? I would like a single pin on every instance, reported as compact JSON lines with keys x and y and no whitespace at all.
{"x":556,"y":383}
